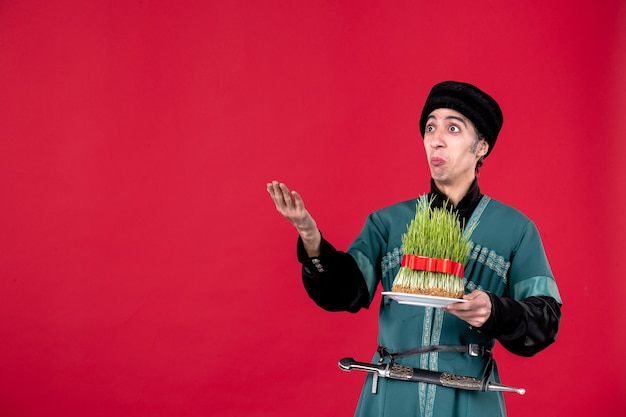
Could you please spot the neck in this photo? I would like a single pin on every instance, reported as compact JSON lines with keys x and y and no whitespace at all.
{"x":455,"y":192}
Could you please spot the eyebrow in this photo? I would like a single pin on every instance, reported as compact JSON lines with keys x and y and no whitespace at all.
{"x":460,"y":119}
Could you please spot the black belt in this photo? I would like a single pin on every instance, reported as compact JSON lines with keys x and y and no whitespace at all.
{"x":472,"y":349}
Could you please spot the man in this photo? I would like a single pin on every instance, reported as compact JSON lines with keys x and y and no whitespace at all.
{"x":511,"y":294}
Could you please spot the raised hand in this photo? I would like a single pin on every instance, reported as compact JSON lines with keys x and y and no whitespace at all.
{"x":290,"y":205}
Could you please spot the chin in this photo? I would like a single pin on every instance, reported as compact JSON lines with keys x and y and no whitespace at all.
{"x":438,"y":175}
{"x":441,"y":178}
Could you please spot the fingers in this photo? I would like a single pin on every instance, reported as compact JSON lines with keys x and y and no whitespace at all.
{"x":280,"y":193}
{"x":457,"y":307}
{"x":297,"y":200}
{"x":288,"y":203}
{"x":475,"y":311}
{"x":284,"y":191}
{"x":476,"y":299}
{"x":473,"y":295}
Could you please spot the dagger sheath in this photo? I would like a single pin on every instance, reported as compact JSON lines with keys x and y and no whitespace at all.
{"x":444,"y":379}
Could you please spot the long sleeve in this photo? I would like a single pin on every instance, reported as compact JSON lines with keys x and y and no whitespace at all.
{"x":523,"y":327}
{"x":333,"y":279}
{"x":526,"y":313}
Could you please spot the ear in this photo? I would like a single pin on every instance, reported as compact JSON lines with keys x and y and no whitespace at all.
{"x":483,"y":148}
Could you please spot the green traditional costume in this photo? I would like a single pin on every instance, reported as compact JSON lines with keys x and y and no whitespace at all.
{"x":507,"y":261}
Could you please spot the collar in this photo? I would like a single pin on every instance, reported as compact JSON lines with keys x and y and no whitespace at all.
{"x":466,"y":206}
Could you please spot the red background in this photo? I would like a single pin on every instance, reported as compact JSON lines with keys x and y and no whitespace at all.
{"x":144,"y":270}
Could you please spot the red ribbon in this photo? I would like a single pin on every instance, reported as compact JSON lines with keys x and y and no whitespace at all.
{"x":423,"y":263}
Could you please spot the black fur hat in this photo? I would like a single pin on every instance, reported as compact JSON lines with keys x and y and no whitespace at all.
{"x":480,"y":108}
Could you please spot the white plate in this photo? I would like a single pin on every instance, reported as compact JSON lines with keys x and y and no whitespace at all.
{"x":422,"y":300}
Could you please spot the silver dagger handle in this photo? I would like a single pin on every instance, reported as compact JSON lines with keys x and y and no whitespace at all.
{"x":349,"y":364}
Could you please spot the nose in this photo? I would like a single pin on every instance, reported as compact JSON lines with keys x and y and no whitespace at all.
{"x":436,"y":139}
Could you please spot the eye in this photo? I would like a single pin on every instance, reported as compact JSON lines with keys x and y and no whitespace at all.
{"x":454,"y":129}
{"x":430,"y":129}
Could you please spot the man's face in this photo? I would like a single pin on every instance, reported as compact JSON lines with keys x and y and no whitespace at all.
{"x":448,"y":139}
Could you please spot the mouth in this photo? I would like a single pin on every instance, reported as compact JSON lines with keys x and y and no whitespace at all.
{"x":436,"y":161}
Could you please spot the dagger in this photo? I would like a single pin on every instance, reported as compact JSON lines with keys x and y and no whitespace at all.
{"x":405,"y":373}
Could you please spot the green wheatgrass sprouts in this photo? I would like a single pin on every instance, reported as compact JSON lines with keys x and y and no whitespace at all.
{"x":434,"y":233}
